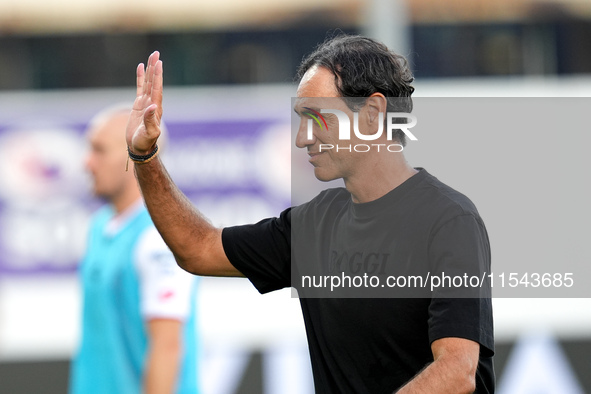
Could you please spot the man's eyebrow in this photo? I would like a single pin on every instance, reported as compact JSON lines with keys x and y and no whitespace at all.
{"x":313,"y":109}
{"x":299,"y":109}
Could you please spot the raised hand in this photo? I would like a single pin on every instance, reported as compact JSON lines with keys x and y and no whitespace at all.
{"x":143,"y":126}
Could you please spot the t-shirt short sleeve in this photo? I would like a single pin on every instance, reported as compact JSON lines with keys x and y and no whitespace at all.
{"x":460,"y":248}
{"x":165,"y":288}
{"x":262,"y":251}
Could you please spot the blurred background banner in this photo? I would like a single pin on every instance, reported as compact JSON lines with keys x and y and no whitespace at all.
{"x":228,"y":71}
{"x":44,"y":205}
{"x":234,"y":164}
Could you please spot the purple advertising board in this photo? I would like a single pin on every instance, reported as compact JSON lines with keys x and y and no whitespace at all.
{"x":232,"y":161}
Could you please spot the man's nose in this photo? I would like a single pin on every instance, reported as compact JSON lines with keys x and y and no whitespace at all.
{"x":302,"y":139}
{"x":88,"y":162}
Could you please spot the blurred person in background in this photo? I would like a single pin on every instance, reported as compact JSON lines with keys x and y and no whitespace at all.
{"x":138,"y":318}
{"x":357,"y":345}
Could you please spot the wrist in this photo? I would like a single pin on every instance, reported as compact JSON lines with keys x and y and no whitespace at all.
{"x":137,"y":152}
{"x":141,"y":158}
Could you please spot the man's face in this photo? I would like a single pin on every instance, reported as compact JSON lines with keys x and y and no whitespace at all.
{"x":107,"y":156}
{"x":317,"y":91}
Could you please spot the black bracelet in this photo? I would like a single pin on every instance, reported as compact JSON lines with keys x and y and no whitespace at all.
{"x":142,"y":158}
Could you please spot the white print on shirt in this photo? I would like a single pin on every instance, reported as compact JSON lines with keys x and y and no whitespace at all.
{"x":165,"y":288}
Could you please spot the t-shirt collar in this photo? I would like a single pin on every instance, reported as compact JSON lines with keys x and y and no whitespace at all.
{"x":118,"y":222}
{"x":373,"y":208}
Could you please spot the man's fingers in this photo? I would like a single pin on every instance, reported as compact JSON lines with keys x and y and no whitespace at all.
{"x":145,"y":121}
{"x":157,"y":84}
{"x":153,"y":60}
{"x":154,"y":57}
{"x":149,"y":68}
{"x":140,"y":79}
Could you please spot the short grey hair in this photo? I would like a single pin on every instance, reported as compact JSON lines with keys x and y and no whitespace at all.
{"x":125,"y":109}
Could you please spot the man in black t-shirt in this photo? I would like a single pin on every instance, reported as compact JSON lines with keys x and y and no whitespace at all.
{"x":391,"y":221}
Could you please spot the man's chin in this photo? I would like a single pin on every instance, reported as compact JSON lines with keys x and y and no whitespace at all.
{"x":101,"y":194}
{"x":323,"y":175}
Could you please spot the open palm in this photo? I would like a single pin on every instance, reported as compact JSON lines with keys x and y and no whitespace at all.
{"x":143,"y":126}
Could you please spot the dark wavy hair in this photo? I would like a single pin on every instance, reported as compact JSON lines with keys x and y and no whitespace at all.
{"x":363,"y":66}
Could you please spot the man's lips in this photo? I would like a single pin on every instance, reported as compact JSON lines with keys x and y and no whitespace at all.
{"x":313,"y":155}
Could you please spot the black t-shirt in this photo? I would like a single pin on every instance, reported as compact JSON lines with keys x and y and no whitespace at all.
{"x":374,"y":345}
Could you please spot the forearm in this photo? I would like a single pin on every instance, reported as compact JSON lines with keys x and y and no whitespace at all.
{"x":440,"y":377}
{"x":185,"y":230}
{"x":162,"y":369}
{"x":195,"y":243}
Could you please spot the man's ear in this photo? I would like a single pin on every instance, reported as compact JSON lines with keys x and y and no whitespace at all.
{"x":375,"y":104}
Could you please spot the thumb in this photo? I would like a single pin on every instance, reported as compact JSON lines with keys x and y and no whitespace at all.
{"x":151,"y":121}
